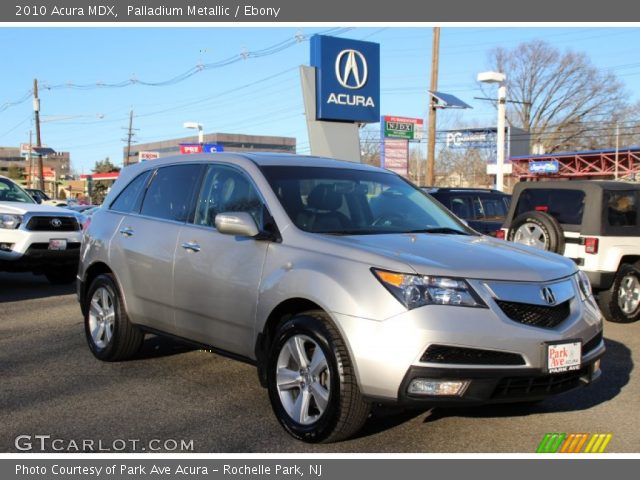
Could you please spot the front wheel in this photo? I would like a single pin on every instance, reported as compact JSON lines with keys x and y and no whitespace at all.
{"x":311,"y":381}
{"x":621,"y":302}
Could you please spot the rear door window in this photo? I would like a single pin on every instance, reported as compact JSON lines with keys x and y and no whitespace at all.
{"x":565,"y":205}
{"x":171,"y":192}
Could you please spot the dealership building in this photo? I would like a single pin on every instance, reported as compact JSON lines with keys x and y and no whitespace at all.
{"x":227,"y":142}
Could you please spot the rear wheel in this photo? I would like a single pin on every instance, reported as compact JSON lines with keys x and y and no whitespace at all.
{"x":311,"y":381}
{"x":621,"y":302}
{"x":538,"y":229}
{"x":110,"y":335}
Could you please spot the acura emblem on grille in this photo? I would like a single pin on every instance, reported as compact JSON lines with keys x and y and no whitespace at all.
{"x":548,"y":296}
{"x":56,"y":222}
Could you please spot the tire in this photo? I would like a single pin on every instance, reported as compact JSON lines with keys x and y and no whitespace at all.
{"x":110,"y":335}
{"x":621,"y":302}
{"x":538,"y":229}
{"x":61,"y":277}
{"x":334,"y":408}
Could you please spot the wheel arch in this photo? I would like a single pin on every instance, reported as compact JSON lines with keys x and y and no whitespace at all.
{"x":281,"y":312}
{"x":95,"y":269}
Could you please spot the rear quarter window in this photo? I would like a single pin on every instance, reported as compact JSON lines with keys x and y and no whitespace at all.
{"x":621,"y":209}
{"x":129,"y":199}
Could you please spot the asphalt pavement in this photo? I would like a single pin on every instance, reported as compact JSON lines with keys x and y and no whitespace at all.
{"x":50,"y":384}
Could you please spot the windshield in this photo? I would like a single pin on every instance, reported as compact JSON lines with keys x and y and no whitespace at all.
{"x":10,"y":192}
{"x":357,"y":202}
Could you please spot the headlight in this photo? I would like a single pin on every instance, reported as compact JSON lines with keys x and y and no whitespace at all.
{"x":584,"y":284}
{"x":10,"y":221}
{"x":417,"y":290}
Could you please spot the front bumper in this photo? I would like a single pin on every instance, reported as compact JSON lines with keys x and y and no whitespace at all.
{"x":39,"y":258}
{"x":498,"y":386}
{"x":28,"y":250}
{"x":387,"y":354}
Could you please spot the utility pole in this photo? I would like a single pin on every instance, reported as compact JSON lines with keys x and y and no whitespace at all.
{"x":30,"y":160}
{"x":431,"y":145}
{"x":130,"y":134}
{"x":36,"y":111}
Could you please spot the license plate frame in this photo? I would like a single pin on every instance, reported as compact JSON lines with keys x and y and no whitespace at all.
{"x":563,"y":356}
{"x":58,"y":244}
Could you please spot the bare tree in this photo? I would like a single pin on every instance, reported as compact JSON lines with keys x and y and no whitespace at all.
{"x":562,"y":95}
{"x":370,"y":146}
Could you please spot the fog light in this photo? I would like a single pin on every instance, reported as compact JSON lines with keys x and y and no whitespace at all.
{"x":429,"y":386}
{"x":7,"y":247}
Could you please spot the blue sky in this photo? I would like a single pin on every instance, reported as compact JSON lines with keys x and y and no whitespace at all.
{"x":258,"y":96}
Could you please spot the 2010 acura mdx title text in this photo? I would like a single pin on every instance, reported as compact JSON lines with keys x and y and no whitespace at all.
{"x":344,"y":283}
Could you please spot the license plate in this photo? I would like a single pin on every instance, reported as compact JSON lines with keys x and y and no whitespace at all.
{"x":563,"y":357}
{"x":57,"y":244}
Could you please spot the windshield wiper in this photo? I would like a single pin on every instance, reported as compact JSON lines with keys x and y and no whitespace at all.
{"x":446,"y":230}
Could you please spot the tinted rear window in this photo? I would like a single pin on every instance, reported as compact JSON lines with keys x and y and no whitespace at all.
{"x":566,"y":206}
{"x":129,"y":199}
{"x":171,"y":191}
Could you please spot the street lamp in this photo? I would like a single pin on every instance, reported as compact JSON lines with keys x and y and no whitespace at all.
{"x":197,"y":126}
{"x":499,"y":78}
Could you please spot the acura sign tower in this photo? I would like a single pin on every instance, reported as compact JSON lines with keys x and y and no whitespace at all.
{"x":341,"y":91}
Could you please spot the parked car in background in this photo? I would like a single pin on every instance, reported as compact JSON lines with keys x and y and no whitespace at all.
{"x":595,"y":224}
{"x":42,"y":198}
{"x":483,"y":209}
{"x":343,"y":283}
{"x":37,"y":238}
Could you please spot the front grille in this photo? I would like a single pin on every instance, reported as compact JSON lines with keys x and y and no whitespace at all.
{"x":48,"y":224}
{"x":592,"y":344}
{"x":469,"y":356}
{"x":514,"y":387}
{"x":535,"y":315}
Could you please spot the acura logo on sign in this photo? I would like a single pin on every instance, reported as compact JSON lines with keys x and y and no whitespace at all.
{"x":56,"y":222}
{"x":353,"y":71}
{"x":548,"y":296}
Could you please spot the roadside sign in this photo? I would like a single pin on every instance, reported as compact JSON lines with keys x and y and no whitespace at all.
{"x":402,"y":127}
{"x":189,"y":148}
{"x":144,"y":156}
{"x":395,"y":156}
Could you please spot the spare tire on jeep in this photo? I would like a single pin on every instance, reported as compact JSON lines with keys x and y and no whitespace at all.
{"x":538,"y":229}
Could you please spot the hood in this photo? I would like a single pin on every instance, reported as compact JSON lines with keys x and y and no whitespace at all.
{"x":20,"y":208}
{"x":476,"y":257}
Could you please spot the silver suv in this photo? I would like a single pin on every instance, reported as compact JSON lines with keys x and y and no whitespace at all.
{"x":344,"y":284}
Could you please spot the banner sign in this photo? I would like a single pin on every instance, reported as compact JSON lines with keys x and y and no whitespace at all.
{"x":542,"y":167}
{"x":402,"y":127}
{"x":347,"y":79}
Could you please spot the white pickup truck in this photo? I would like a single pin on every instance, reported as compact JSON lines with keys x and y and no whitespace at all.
{"x":37,"y":238}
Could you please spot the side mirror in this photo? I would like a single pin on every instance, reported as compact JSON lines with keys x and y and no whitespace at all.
{"x":38,"y":200}
{"x":237,"y":223}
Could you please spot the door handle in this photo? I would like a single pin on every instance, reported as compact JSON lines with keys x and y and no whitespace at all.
{"x":127,"y":231}
{"x":193,"y":246}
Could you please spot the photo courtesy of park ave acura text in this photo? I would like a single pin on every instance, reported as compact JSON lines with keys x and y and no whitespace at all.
{"x":314,"y":238}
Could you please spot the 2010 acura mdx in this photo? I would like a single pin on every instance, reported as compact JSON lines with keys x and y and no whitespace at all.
{"x":343,"y":283}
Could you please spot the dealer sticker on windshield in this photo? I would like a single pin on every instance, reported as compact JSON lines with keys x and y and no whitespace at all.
{"x":563,"y":357}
